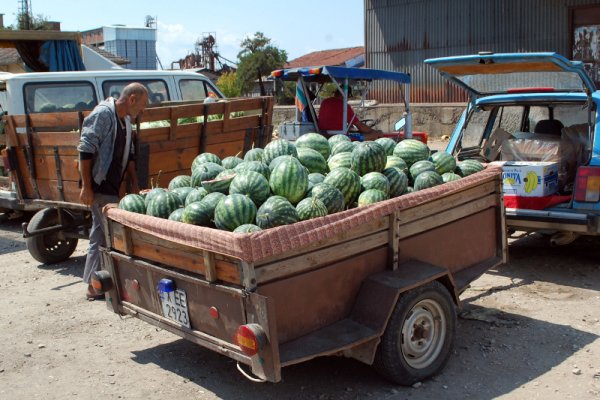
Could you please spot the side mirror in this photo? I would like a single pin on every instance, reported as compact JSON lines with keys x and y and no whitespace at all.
{"x":400,"y":124}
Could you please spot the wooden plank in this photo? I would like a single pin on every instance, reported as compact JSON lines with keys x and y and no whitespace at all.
{"x":127,"y":243}
{"x":393,"y":240}
{"x":315,"y":259}
{"x":45,"y":166}
{"x":444,"y":217}
{"x":180,"y":143}
{"x":209,"y":266}
{"x":49,"y":191}
{"x":62,"y":139}
{"x":226,"y":149}
{"x":174,"y":160}
{"x":49,"y":150}
{"x":46,"y":120}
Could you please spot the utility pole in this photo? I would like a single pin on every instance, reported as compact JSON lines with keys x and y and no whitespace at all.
{"x":25,"y":14}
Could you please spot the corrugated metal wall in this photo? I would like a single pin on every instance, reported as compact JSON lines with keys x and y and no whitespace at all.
{"x":400,"y":34}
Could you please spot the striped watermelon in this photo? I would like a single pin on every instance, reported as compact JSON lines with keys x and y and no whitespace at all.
{"x":276,"y":148}
{"x":443,"y":162}
{"x":331,"y":196}
{"x":251,"y":184}
{"x":311,"y":207}
{"x":290,"y":180}
{"x":398,"y":181}
{"x":195,"y":195}
{"x":388,"y":144}
{"x":368,"y":157}
{"x":337,"y":138}
{"x":210,"y":201}
{"x":312,"y":159}
{"x":371,"y":196}
{"x":339,"y":160}
{"x":247,"y":228}
{"x":205,"y":172}
{"x":204,"y":158}
{"x":183,"y":192}
{"x":315,"y":178}
{"x":256,"y":166}
{"x":198,"y":213}
{"x":176,"y":215}
{"x":276,"y":211}
{"x":278,"y":160}
{"x":427,"y":179}
{"x":220,"y":183}
{"x":450,"y":176}
{"x":342,"y":147}
{"x":163,"y":204}
{"x":180,"y":181}
{"x":152,"y":193}
{"x":231,"y":162}
{"x":394,"y":161}
{"x":347,"y":181}
{"x":134,"y":203}
{"x":411,"y":151}
{"x":255,"y":154}
{"x":314,"y":141}
{"x":468,"y":167}
{"x":419,"y":167}
{"x":375,"y":180}
{"x":233,"y":211}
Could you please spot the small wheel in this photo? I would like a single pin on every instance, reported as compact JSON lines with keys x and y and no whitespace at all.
{"x":419,"y":337}
{"x":49,"y":248}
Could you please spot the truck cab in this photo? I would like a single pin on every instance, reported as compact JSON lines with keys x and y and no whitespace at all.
{"x":533,"y":109}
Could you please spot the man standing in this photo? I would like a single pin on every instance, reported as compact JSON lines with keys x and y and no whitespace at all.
{"x":106,"y":154}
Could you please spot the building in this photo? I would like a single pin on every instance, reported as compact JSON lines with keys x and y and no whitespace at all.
{"x":400,"y":34}
{"x":138,"y":45}
{"x":347,"y":57}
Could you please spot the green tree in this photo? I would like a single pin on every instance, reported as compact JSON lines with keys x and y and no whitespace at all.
{"x":257,"y":59}
{"x":228,"y":84}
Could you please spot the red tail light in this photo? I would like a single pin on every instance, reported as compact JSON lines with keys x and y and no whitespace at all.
{"x":530,"y":90}
{"x":251,"y":338}
{"x":587,"y":184}
{"x":101,"y":281}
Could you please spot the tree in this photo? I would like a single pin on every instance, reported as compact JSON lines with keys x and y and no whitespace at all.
{"x":228,"y":84}
{"x":257,"y":59}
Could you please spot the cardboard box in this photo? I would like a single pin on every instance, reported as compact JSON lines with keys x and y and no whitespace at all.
{"x":529,"y":178}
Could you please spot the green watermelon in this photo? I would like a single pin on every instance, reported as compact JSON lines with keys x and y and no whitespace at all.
{"x":450,"y":176}
{"x":331,"y":196}
{"x":315,"y":178}
{"x":210,"y":201}
{"x":311,"y":207}
{"x":204,"y":158}
{"x":276,"y":211}
{"x":233,"y":211}
{"x":312,"y":159}
{"x":256,"y":166}
{"x":247,"y":228}
{"x":220,"y":183}
{"x":134,"y":203}
{"x":196,"y":194}
{"x":180,"y":181}
{"x":443,"y":162}
{"x":182,"y":192}
{"x":205,"y":172}
{"x":163,"y":204}
{"x":411,"y":151}
{"x":342,"y":147}
{"x":419,"y":167}
{"x":388,"y":144}
{"x":394,"y":161}
{"x":427,"y":179}
{"x":314,"y":141}
{"x":290,"y":180}
{"x":198,"y":213}
{"x":152,"y":193}
{"x":278,"y":160}
{"x":176,"y":215}
{"x":337,"y":138}
{"x":347,"y":181}
{"x":468,"y":167}
{"x":276,"y":148}
{"x":255,"y":154}
{"x":375,"y":180}
{"x":368,"y":157}
{"x":231,"y":162}
{"x":398,"y":181}
{"x":371,"y":196}
{"x":339,"y":160}
{"x":251,"y":184}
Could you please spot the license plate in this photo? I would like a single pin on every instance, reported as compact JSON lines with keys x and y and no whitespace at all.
{"x":174,"y":306}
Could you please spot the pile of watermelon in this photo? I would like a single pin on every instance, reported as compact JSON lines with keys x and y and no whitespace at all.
{"x":289,"y":182}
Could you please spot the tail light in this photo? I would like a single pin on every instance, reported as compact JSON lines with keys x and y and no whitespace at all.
{"x":101,"y":281}
{"x":587,"y":184}
{"x":251,"y":338}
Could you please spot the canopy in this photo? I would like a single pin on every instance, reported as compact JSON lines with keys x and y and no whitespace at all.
{"x":325,"y":73}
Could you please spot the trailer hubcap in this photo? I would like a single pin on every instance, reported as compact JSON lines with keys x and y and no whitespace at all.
{"x":423,"y":334}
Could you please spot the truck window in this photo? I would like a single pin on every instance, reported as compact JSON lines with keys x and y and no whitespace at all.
{"x":157,"y":89}
{"x":59,"y":97}
{"x":475,"y":128}
{"x":193,"y":89}
{"x":509,"y":118}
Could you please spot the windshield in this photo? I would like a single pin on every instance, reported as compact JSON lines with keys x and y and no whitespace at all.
{"x":500,"y":83}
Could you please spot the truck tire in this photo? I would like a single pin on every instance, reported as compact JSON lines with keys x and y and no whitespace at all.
{"x":419,"y":337}
{"x":49,"y":248}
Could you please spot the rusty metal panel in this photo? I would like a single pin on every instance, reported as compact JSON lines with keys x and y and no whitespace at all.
{"x":400,"y":34}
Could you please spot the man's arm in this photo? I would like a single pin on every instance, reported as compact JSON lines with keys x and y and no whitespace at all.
{"x":85,"y":169}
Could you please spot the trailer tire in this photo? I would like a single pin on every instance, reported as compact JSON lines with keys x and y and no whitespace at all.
{"x":419,"y":337}
{"x":49,"y":248}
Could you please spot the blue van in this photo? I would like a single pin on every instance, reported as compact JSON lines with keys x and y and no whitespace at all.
{"x":533,"y":107}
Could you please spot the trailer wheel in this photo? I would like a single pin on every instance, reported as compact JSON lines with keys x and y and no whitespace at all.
{"x":419,"y":337}
{"x":49,"y":248}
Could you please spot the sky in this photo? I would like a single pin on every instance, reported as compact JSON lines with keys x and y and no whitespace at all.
{"x":296,"y":27}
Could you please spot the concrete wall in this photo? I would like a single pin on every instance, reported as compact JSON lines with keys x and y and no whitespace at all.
{"x":437,"y":119}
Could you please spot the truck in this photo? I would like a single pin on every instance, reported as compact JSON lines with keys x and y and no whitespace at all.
{"x":379,"y":283}
{"x":528,"y":111}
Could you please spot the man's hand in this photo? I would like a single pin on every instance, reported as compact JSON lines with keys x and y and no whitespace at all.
{"x":86,"y":195}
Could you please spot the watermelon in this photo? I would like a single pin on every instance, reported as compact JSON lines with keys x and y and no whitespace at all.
{"x":233,"y":211}
{"x":195,"y":195}
{"x":427,"y":179}
{"x":443,"y":162}
{"x":330,"y":196}
{"x":450,"y":176}
{"x":468,"y":167}
{"x":231,"y":162}
{"x":419,"y":167}
{"x":251,"y":184}
{"x":398,"y":181}
{"x":347,"y":181}
{"x":163,"y":204}
{"x":339,"y":160}
{"x":211,"y":200}
{"x":371,"y":196}
{"x":134,"y":203}
{"x":205,"y":172}
{"x":176,"y":215}
{"x":312,"y":159}
{"x":276,"y":211}
{"x":411,"y":151}
{"x":180,"y":181}
{"x":204,"y":158}
{"x":368,"y":157}
{"x":279,"y":159}
{"x":388,"y":144}
{"x":342,"y":147}
{"x":254,"y":155}
{"x":198,"y":213}
{"x":247,"y":228}
{"x":150,"y":194}
{"x":314,"y":141}
{"x":409,"y":189}
{"x":375,"y":180}
{"x":182,"y":192}
{"x":337,"y":138}
{"x":315,"y":178}
{"x":256,"y":166}
{"x":220,"y":183}
{"x":290,"y":180}
{"x":311,"y":207}
{"x":394,"y":161}
{"x":276,"y":148}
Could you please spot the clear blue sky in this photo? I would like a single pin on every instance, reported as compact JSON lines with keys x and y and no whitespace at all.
{"x":296,"y":27}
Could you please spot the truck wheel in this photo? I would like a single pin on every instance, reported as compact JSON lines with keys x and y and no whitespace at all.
{"x":418,"y":339}
{"x":49,"y":248}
